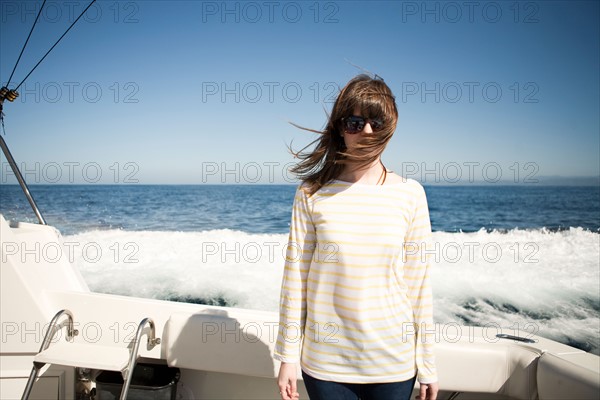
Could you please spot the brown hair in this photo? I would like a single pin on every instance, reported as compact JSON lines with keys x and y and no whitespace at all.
{"x":326,"y":160}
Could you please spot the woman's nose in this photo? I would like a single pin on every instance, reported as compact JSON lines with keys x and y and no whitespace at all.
{"x":367,"y":128}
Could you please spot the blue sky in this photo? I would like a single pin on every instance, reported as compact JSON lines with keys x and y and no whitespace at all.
{"x":202,"y":92}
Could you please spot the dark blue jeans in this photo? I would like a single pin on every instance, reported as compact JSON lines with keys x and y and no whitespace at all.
{"x":327,"y":390}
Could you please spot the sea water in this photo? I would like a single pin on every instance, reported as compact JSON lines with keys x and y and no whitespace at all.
{"x":519,"y":257}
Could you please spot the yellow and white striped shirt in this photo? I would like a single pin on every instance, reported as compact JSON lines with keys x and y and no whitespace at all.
{"x":356,"y":294}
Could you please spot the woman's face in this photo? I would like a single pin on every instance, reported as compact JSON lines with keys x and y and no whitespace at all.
{"x":350,"y":139}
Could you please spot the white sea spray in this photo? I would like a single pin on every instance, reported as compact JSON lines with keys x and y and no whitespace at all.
{"x":536,"y":281}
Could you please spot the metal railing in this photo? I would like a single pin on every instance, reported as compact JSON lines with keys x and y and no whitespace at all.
{"x":22,"y":183}
{"x":11,"y":95}
{"x":52,"y":329}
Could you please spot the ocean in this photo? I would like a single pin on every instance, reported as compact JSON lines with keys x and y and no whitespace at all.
{"x":523,"y":257}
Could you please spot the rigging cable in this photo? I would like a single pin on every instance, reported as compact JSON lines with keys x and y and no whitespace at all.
{"x":59,"y":39}
{"x":25,"y":45}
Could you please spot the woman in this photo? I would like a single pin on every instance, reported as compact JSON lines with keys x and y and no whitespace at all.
{"x":355,"y":294}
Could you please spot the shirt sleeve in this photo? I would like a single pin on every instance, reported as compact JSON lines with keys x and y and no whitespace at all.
{"x":292,"y":307}
{"x":416,"y":274}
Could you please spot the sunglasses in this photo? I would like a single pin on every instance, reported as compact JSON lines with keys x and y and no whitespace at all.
{"x":355,"y":124}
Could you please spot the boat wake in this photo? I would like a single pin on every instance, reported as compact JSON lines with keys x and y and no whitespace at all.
{"x":535,"y":281}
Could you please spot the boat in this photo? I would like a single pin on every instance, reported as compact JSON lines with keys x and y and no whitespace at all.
{"x":218,"y":352}
{"x":60,"y":340}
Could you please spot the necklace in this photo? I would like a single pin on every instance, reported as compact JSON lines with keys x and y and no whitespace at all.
{"x":382,"y":176}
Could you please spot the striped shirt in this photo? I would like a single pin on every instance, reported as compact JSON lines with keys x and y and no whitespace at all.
{"x":356,"y":303}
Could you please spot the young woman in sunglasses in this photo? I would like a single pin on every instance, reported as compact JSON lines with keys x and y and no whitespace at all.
{"x":356,"y":303}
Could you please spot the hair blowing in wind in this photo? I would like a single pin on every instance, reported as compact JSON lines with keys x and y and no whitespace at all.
{"x":327,"y":159}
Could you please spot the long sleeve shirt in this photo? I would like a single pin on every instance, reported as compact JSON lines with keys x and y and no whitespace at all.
{"x":356,"y":302}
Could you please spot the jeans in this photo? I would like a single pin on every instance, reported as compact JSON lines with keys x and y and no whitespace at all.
{"x":327,"y":390}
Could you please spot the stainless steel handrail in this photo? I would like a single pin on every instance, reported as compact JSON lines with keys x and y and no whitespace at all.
{"x":52,"y":329}
{"x":15,"y":169}
{"x":152,"y":341}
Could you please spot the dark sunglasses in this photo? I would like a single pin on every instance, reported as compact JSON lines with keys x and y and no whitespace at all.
{"x":355,"y":124}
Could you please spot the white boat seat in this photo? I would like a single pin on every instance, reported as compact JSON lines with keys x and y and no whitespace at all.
{"x":559,"y":378}
{"x":219,"y":343}
{"x":85,"y":356}
{"x":501,"y":368}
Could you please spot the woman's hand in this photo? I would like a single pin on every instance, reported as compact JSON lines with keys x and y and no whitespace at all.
{"x":428,"y":391}
{"x":287,"y":381}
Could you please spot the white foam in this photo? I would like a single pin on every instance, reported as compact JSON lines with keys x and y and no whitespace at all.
{"x":533,"y":280}
{"x":245,"y":269}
